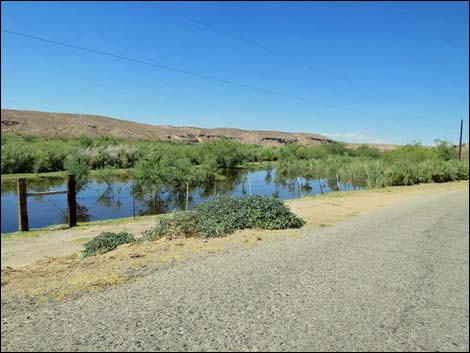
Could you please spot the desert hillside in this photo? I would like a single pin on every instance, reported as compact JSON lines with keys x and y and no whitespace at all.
{"x":35,"y":123}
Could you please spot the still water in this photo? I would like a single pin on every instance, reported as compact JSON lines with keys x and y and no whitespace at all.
{"x":99,"y":200}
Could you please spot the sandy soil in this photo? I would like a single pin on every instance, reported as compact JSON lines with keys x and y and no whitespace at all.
{"x":63,"y":242}
{"x":55,"y":255}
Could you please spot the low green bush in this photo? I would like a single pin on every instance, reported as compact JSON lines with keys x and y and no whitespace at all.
{"x":224,"y":215}
{"x":379,"y":173}
{"x":227,"y":214}
{"x":105,"y":242}
{"x":181,"y":224}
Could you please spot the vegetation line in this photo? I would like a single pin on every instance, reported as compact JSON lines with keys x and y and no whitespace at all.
{"x":157,"y":166}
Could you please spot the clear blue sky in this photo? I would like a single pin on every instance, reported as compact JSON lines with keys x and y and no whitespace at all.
{"x":391,"y":72}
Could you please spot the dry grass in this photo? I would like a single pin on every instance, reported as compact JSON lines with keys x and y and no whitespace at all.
{"x":72,"y":275}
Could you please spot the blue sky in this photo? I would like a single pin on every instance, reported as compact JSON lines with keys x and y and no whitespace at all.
{"x":379,"y":72}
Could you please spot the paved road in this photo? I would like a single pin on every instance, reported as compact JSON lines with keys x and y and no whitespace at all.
{"x":397,"y":279}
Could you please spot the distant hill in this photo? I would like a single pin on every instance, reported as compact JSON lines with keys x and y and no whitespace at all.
{"x":24,"y":122}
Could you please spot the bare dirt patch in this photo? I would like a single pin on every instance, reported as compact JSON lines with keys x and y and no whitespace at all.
{"x":333,"y":207}
{"x":63,"y":242}
{"x":71,"y":275}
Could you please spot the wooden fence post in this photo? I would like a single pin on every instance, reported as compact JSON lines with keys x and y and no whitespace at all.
{"x":319,"y":183}
{"x":22,"y":205}
{"x":337,"y":181}
{"x":71,"y":201}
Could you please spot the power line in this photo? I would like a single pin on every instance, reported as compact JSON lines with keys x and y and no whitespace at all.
{"x":164,"y":67}
{"x":255,"y":44}
{"x":170,"y":68}
{"x":190,"y":73}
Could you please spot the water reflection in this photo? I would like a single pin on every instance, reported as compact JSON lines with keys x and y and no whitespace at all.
{"x":34,"y":185}
{"x":116,"y":198}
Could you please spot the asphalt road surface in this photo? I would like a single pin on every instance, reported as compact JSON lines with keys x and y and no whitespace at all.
{"x":396,"y":279}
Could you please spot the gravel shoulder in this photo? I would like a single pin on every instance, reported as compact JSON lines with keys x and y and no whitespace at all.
{"x":390,"y":279}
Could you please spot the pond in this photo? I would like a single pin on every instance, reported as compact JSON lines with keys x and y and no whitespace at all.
{"x":99,"y":200}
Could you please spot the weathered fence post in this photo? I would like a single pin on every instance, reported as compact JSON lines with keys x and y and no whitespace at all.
{"x":352,"y":181}
{"x":337,"y":181}
{"x":319,"y":183}
{"x":22,"y":205}
{"x":71,"y":201}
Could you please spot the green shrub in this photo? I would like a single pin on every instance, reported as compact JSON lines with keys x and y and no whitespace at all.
{"x":105,"y":242}
{"x":227,"y":214}
{"x":413,"y":153}
{"x":367,"y":151}
{"x":17,"y":159}
{"x":445,"y":150}
{"x":224,"y":215}
{"x":181,"y":224}
{"x":77,"y":164}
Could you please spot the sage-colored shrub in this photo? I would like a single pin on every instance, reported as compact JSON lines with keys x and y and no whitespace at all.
{"x":227,"y":214}
{"x":105,"y":242}
{"x":224,"y":215}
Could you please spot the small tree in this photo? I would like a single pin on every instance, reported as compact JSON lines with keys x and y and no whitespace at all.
{"x":78,"y":165}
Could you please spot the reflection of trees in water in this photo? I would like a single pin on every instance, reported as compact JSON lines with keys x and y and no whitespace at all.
{"x":276,"y":191}
{"x":289,"y":184}
{"x":83,"y":214}
{"x":227,"y":185}
{"x":307,"y":187}
{"x":169,"y":200}
{"x":332,"y":184}
{"x":233,"y":178}
{"x":149,"y":204}
{"x":268,"y":178}
{"x":33,"y":185}
{"x":110,"y":197}
{"x":163,"y":203}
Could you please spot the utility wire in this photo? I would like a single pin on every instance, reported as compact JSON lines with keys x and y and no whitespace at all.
{"x":255,"y":44}
{"x":164,"y":67}
{"x":170,"y":68}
